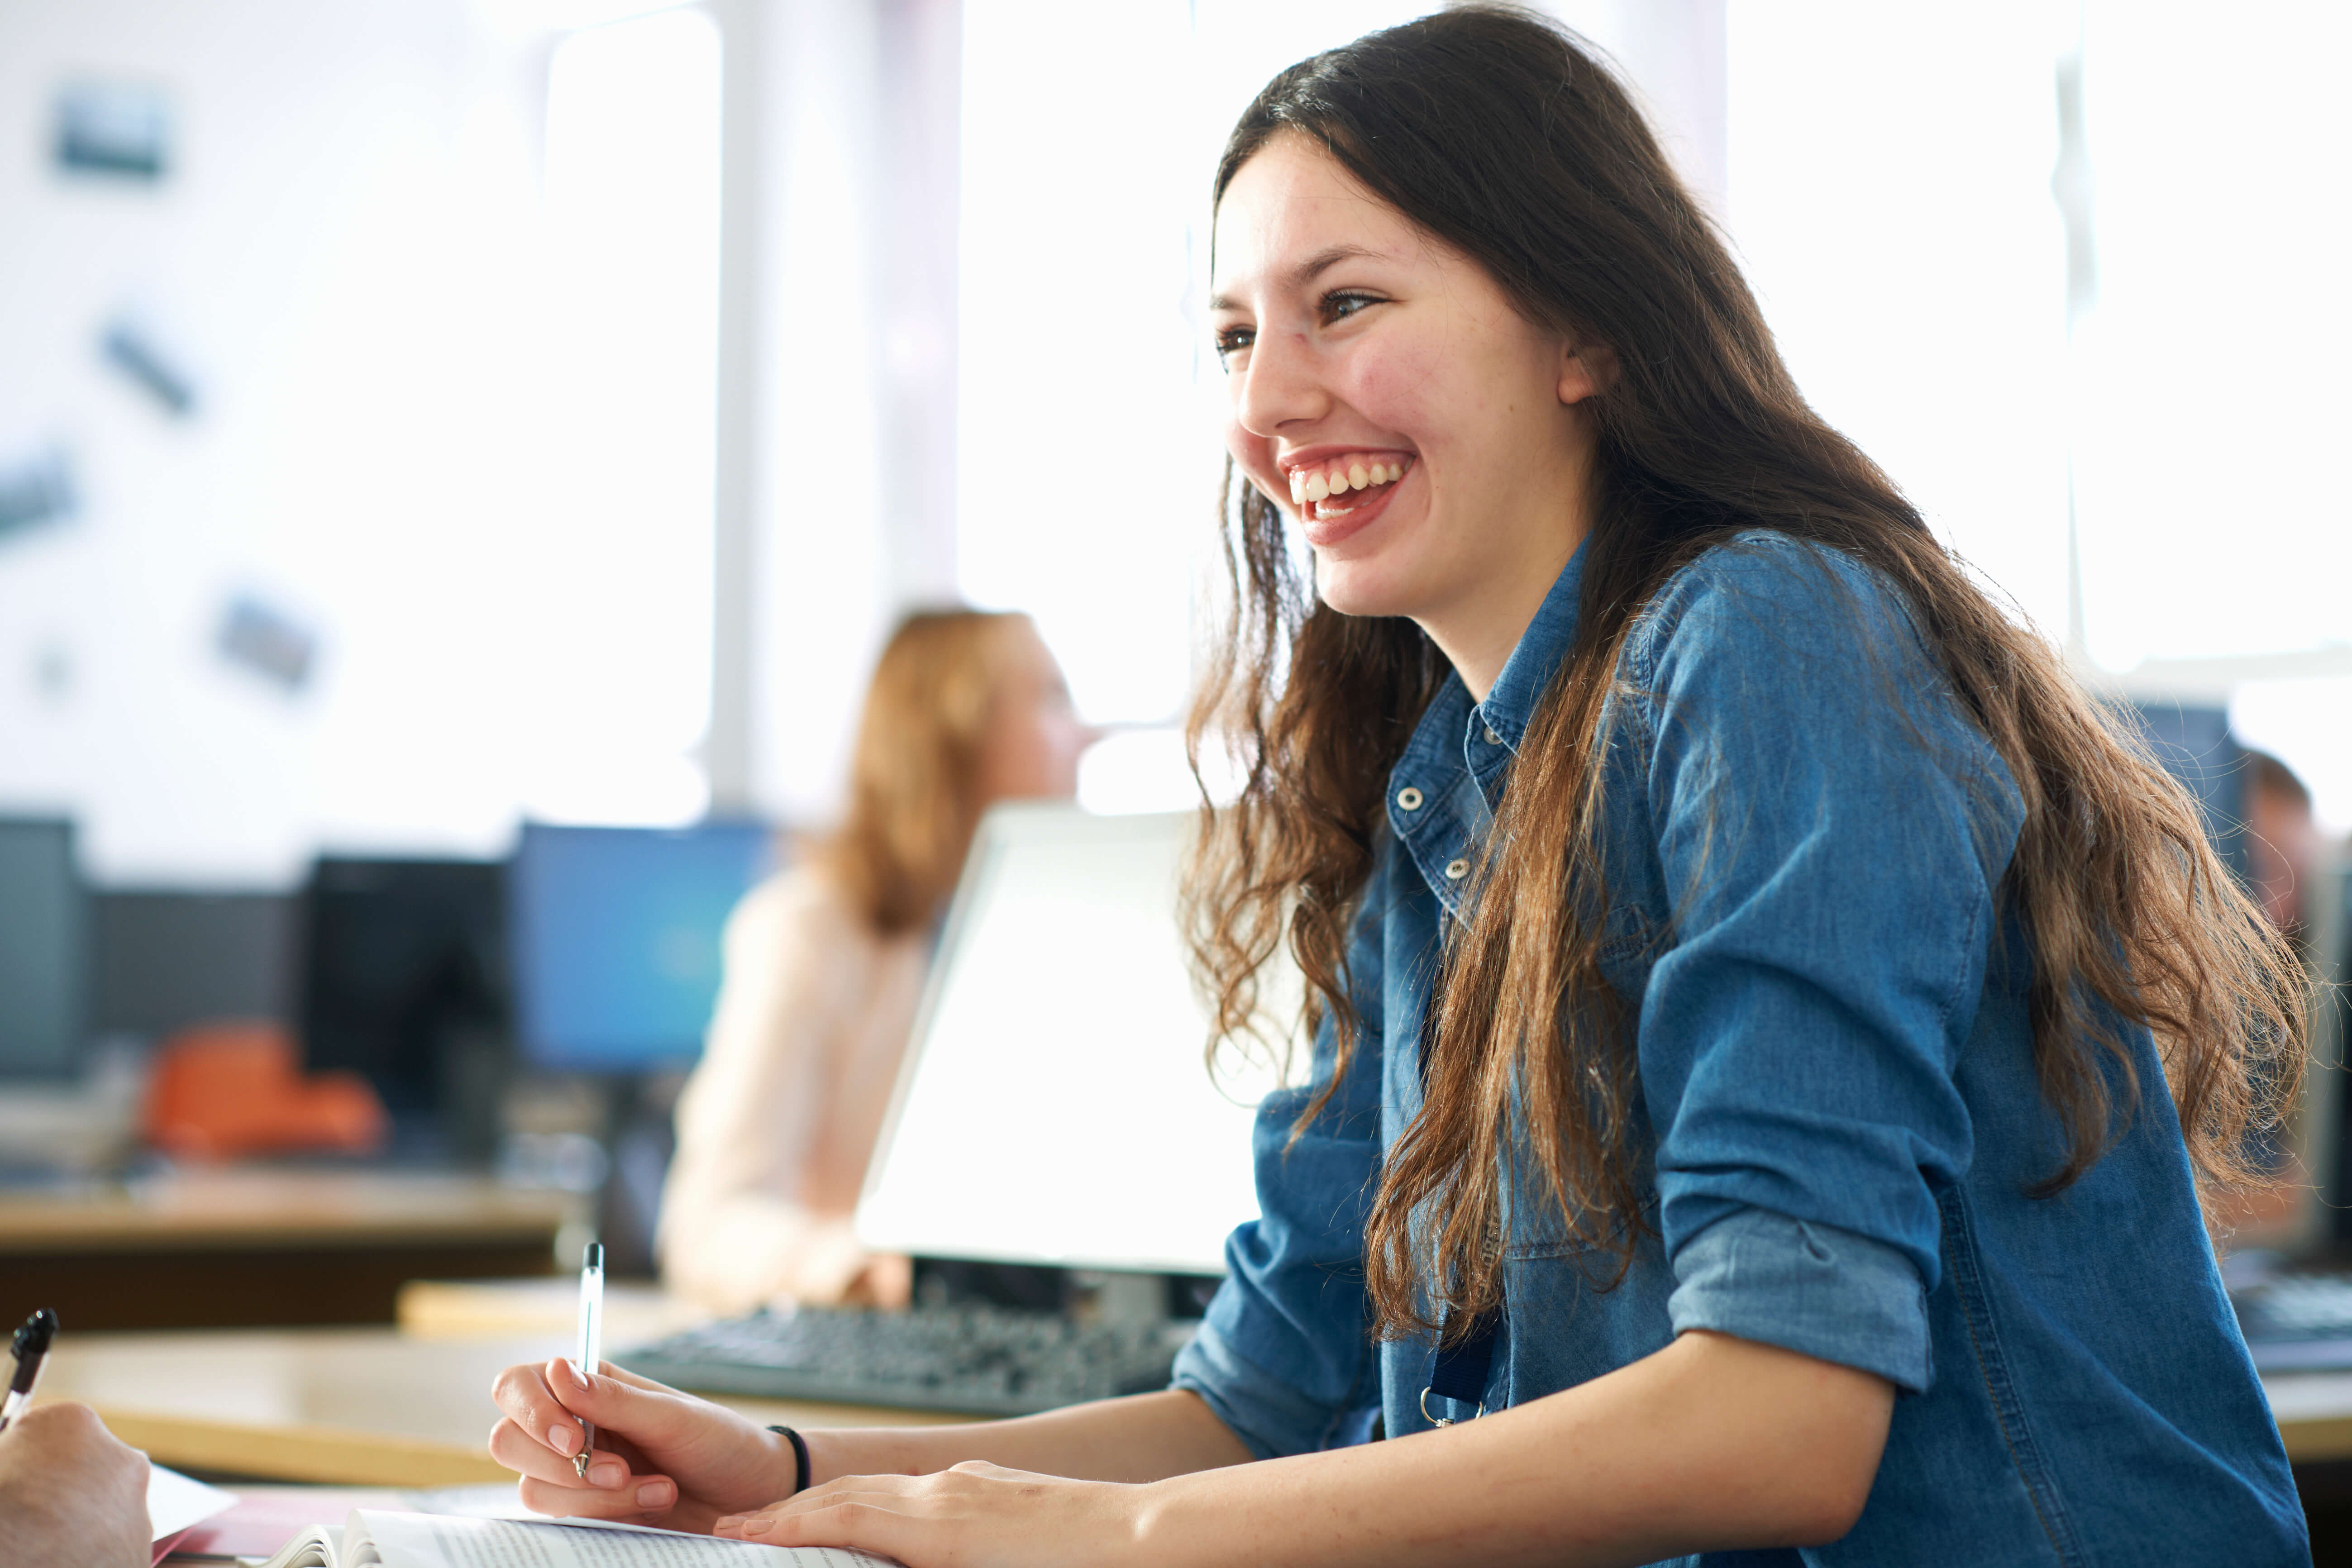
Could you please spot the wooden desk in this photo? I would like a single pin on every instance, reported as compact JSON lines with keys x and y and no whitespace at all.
{"x":267,"y":1247}
{"x":2314,"y":1413}
{"x":349,"y":1407}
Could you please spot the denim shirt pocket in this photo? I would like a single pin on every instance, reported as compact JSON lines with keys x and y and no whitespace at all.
{"x":1965,"y":1276}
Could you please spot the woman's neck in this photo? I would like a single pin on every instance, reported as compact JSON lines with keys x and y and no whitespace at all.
{"x":1477,"y":632}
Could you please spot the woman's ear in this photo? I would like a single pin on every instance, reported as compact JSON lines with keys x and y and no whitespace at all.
{"x":1586,"y":370}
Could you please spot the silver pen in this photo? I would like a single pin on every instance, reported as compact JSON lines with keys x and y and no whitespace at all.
{"x":591,"y":1333}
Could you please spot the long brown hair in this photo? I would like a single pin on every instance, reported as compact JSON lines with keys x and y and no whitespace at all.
{"x":1498,"y":135}
{"x":914,"y":777}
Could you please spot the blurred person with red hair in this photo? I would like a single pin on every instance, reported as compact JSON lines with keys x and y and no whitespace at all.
{"x":824,"y":962}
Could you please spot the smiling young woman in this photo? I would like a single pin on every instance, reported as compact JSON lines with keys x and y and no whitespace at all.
{"x":1768,"y":1030}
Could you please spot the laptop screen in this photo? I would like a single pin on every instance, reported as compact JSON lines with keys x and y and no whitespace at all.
{"x":1054,"y":1107}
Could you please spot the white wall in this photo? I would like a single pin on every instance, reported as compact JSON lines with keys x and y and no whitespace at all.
{"x":338,"y":254}
{"x":852,"y":459}
{"x":398,"y":330}
{"x":2215,"y":403}
{"x":1890,"y":200}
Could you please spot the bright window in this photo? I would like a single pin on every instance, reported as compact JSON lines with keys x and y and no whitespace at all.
{"x":624,"y":588}
{"x":1890,"y":201}
{"x":1088,"y":405}
{"x":2215,"y":404}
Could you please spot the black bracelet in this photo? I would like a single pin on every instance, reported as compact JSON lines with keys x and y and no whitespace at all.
{"x":799,"y":1458}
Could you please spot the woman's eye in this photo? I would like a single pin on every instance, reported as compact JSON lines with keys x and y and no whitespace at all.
{"x":1231,"y":341}
{"x":1341,"y":305}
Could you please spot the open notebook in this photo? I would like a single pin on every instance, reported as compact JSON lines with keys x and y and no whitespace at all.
{"x":372,"y":1540}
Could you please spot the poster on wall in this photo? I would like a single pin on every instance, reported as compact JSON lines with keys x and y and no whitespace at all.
{"x":132,"y":351}
{"x":112,"y":131}
{"x":263,"y":640}
{"x":36,"y":487}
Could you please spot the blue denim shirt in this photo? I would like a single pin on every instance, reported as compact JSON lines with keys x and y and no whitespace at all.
{"x":1803,"y":845}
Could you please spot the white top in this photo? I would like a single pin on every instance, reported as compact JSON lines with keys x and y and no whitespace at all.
{"x":776,"y":1126}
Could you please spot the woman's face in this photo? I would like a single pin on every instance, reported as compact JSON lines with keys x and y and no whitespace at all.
{"x":1031,"y":751}
{"x":1362,"y":353}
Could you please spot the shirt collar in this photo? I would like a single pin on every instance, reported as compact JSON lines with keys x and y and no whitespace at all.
{"x":1540,"y":652}
{"x":1442,"y":789}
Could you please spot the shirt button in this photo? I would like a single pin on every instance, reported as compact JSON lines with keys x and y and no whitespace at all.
{"x":1492,"y":738}
{"x":1457,"y":869}
{"x":1408,"y":798}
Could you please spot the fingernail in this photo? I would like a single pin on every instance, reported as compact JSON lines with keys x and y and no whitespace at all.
{"x":608,"y":1474}
{"x":723,"y":1523}
{"x":563,"y":1437}
{"x":757,"y":1525}
{"x":581,"y":1377}
{"x":654,"y":1494}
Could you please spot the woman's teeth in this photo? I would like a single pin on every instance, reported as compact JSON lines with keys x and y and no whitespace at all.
{"x":1338,"y":478}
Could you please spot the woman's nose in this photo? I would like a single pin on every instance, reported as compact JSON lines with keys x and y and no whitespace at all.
{"x":1281,"y":387}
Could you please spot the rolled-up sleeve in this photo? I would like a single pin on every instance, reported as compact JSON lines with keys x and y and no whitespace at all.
{"x":1831,"y":833}
{"x":1284,"y":1356}
{"x":1812,"y":1289}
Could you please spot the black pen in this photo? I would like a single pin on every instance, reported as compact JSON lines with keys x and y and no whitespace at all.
{"x":31,"y":1346}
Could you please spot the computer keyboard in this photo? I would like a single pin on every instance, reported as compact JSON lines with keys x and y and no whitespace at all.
{"x":982,"y":1361}
{"x":2297,"y":1323}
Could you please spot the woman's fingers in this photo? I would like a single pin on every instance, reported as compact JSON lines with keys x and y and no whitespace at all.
{"x":552,"y":1486}
{"x":550,"y":1402}
{"x":864,"y":1496}
{"x":979,"y":1514}
{"x":525,"y":1455}
{"x":649,"y":1414}
{"x":759,"y":1521}
{"x":644,"y":1499}
{"x":859,"y":1518}
{"x":524,"y":1397}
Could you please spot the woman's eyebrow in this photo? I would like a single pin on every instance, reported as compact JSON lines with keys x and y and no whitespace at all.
{"x":1307,"y":271}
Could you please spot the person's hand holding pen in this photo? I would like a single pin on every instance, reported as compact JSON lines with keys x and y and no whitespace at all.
{"x":660,"y":1457}
{"x":70,"y":1495}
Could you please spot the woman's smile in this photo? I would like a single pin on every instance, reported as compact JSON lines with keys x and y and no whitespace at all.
{"x":1338,"y":491}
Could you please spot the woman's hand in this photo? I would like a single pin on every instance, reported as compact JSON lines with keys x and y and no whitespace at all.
{"x":972,"y":1516}
{"x":661,"y":1456}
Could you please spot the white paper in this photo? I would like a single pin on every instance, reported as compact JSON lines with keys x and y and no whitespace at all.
{"x":495,"y":1500}
{"x":174,"y":1502}
{"x":431,"y":1540}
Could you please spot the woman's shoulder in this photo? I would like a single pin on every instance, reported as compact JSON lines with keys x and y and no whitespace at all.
{"x":801,"y":904}
{"x":1767,"y":595}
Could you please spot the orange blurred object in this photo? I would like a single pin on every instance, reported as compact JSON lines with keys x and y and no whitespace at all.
{"x":223,"y":1091}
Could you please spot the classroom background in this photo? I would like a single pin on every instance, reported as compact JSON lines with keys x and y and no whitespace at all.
{"x":460,"y":459}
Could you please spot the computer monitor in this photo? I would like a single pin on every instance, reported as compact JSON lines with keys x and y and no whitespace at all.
{"x":45,"y":945}
{"x":1054,"y":1107}
{"x":616,"y":938}
{"x":2325,"y":1113}
{"x":404,"y":965}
